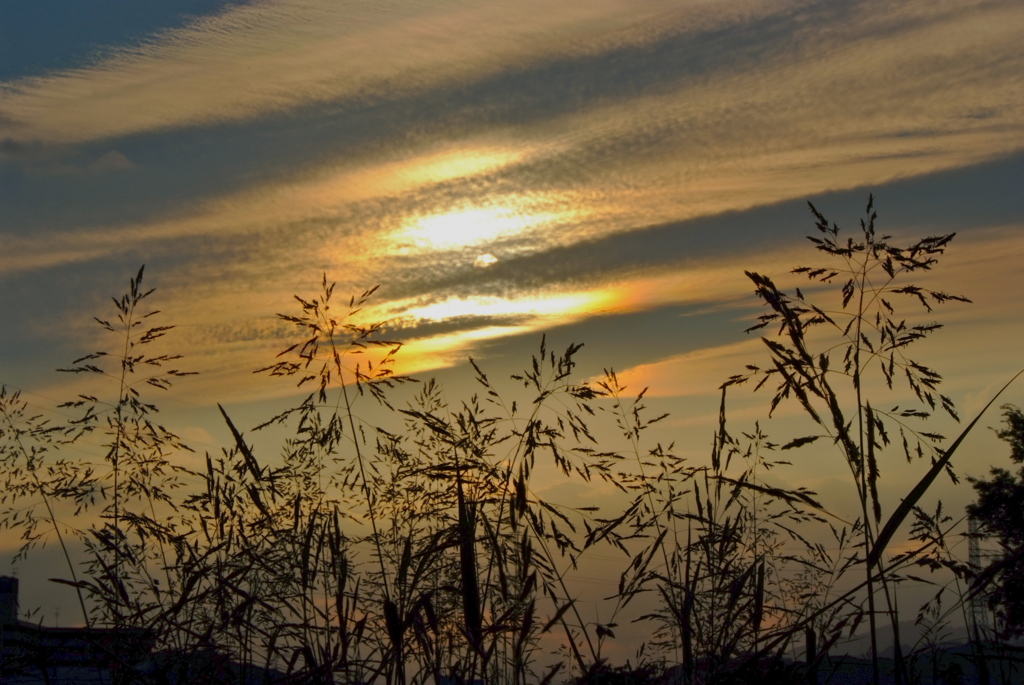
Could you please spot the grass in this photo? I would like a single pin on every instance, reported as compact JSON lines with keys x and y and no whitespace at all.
{"x":423,"y":549}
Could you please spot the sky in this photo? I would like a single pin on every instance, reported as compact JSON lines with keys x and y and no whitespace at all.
{"x":597,"y":171}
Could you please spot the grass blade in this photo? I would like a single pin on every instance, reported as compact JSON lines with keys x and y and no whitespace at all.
{"x":917,"y":493}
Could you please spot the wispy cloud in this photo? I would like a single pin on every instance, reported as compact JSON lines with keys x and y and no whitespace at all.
{"x":961,"y":272}
{"x":274,"y":56}
{"x":259,"y":59}
{"x":592,"y":156}
{"x":715,"y":111}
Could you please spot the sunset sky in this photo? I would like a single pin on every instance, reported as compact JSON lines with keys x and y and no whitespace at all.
{"x":602,"y":171}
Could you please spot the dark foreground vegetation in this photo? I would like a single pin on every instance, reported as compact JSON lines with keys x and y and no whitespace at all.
{"x":419,"y":549}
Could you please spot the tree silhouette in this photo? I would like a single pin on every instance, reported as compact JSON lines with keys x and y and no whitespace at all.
{"x":1000,"y":515}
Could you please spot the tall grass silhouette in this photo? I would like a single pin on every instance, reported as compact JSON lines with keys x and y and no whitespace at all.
{"x":420,"y":548}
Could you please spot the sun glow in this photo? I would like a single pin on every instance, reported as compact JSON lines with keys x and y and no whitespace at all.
{"x":566,"y":305}
{"x":516,"y":316}
{"x":467,"y":227}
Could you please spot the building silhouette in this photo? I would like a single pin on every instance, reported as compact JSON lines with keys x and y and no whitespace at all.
{"x":31,"y":653}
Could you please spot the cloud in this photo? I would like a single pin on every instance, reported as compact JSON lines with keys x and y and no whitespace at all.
{"x":270,"y":58}
{"x":700,"y":372}
{"x":594,"y":159}
{"x":111,"y":161}
{"x":266,"y":57}
{"x":11,"y":147}
{"x":741,"y":108}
